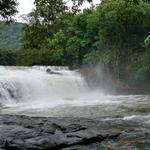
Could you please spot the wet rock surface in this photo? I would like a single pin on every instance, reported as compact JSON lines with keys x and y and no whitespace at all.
{"x":40,"y":133}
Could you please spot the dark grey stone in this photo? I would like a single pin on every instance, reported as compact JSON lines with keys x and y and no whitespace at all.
{"x":39,"y":133}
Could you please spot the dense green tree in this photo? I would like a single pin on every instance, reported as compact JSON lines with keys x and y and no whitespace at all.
{"x":44,"y":21}
{"x":11,"y":34}
{"x":7,"y":57}
{"x":78,"y":43}
{"x":8,"y":9}
{"x":121,"y":28}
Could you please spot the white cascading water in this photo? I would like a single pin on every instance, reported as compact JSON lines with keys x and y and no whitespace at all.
{"x":61,"y":92}
{"x":22,"y":85}
{"x":32,"y":88}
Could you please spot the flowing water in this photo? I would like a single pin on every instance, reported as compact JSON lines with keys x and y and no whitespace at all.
{"x":33,"y":91}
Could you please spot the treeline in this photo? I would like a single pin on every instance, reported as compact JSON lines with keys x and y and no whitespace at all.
{"x":115,"y":34}
{"x":11,"y":35}
{"x":10,"y":42}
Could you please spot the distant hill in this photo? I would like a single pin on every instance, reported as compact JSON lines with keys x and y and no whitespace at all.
{"x":11,"y":35}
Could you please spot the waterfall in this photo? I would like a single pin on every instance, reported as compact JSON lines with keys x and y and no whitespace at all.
{"x":58,"y":91}
{"x":20,"y":85}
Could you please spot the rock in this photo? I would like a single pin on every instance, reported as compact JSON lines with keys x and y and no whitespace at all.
{"x":49,"y":71}
{"x":39,"y":133}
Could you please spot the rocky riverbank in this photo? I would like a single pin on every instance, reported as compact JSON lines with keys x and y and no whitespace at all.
{"x":39,"y":133}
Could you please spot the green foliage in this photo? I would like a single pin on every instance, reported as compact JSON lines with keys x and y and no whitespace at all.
{"x":7,"y":57}
{"x":8,"y":9}
{"x":11,"y":35}
{"x":44,"y":22}
{"x":55,"y":47}
{"x":119,"y":28}
{"x":31,"y":57}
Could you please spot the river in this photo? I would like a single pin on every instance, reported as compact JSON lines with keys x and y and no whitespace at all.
{"x":62,"y":93}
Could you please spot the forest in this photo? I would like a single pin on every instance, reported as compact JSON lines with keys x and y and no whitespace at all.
{"x":115,"y":34}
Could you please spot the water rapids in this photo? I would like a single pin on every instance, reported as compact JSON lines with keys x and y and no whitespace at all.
{"x":35,"y":92}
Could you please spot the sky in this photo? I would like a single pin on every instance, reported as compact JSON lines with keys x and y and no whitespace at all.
{"x":25,"y":7}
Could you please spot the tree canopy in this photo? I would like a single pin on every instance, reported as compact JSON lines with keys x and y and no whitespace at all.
{"x":8,"y":9}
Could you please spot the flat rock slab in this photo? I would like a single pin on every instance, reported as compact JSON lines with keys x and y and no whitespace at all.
{"x":40,"y":133}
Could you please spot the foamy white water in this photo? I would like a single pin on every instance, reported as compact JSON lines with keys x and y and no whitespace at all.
{"x":33,"y":85}
{"x":33,"y":91}
{"x":34,"y":88}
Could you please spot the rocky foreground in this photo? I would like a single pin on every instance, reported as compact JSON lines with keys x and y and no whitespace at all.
{"x":30,"y":133}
